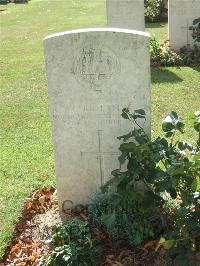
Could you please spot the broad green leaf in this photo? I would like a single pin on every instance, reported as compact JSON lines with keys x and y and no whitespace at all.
{"x":122,"y":158}
{"x":167,"y":126}
{"x":174,"y":115}
{"x":129,"y":147}
{"x":108,"y":219}
{"x":169,"y":134}
{"x":141,"y":138}
{"x":197,"y":126}
{"x":196,"y":184}
{"x":182,"y":145}
{"x":116,"y":173}
{"x":180,"y":126}
{"x":194,"y":120}
{"x":125,"y":115}
{"x":135,"y":116}
{"x":164,"y":142}
{"x":168,"y":244}
{"x":178,"y":171}
{"x":191,"y":115}
{"x":173,"y":193}
{"x":197,"y":20}
{"x":141,"y":112}
{"x":126,"y":137}
{"x":137,"y":238}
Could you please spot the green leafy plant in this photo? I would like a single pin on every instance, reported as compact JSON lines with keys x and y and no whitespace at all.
{"x":190,"y":55}
{"x":123,"y":216}
{"x":128,"y":208}
{"x":73,"y":245}
{"x":132,"y":205}
{"x":154,"y":10}
{"x":195,"y":28}
{"x":185,"y":233}
{"x":164,"y":55}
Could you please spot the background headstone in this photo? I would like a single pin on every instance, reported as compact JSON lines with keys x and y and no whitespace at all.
{"x":92,"y":74}
{"x":127,"y":14}
{"x":181,"y":16}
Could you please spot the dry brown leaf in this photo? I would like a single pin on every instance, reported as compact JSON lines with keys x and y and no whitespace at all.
{"x":31,"y":258}
{"x":25,"y":251}
{"x":42,"y":200}
{"x":117,"y":263}
{"x":109,"y":261}
{"x":22,"y":264}
{"x":26,"y":240}
{"x":122,"y":254}
{"x":15,"y":248}
{"x":145,"y":251}
{"x":84,"y":216}
{"x":19,"y":262}
{"x":46,"y":192}
{"x":110,"y":257}
{"x":151,"y":244}
{"x":31,"y":206}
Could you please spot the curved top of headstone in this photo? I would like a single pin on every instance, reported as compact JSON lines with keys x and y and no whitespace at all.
{"x":126,"y":14}
{"x":77,"y":31}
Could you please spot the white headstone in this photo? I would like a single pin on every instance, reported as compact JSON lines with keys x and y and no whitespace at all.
{"x":181,"y":16}
{"x":92,"y":75}
{"x":127,"y":14}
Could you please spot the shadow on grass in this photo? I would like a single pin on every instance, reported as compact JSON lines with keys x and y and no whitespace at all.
{"x":155,"y":25}
{"x":163,"y":75}
{"x":196,"y":69}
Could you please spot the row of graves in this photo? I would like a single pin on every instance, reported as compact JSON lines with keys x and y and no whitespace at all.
{"x":92,"y":74}
{"x":129,"y":14}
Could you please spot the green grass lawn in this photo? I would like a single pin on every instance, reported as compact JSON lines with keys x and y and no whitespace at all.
{"x":26,"y":147}
{"x":159,"y":30}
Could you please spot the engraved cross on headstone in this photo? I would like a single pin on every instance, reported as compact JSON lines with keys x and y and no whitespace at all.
{"x":187,"y":28}
{"x":100,"y":155}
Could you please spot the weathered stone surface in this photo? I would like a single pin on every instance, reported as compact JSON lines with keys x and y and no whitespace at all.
{"x":92,"y":74}
{"x":127,"y":14}
{"x":181,"y":16}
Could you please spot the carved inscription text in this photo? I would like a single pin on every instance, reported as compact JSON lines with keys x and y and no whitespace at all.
{"x":95,"y":66}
